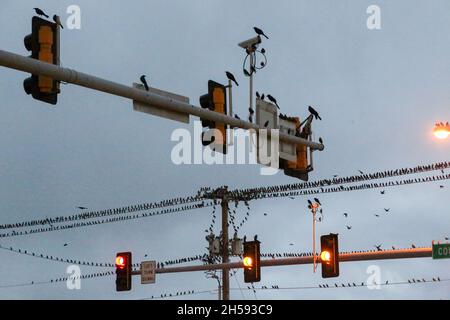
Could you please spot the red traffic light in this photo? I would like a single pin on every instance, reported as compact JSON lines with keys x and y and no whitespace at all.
{"x":120,"y":262}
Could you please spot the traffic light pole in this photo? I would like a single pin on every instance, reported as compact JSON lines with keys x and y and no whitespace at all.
{"x":343,"y":257}
{"x":225,"y":258}
{"x":33,"y":66}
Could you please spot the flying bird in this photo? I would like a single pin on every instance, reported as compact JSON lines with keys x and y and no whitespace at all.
{"x":82,"y":208}
{"x":39,"y":12}
{"x":231,"y":77}
{"x":57,"y":21}
{"x":382,"y":192}
{"x":314,"y":113}
{"x":377,"y":215}
{"x":144,"y":82}
{"x":65,"y":244}
{"x":345,"y":214}
{"x":265,"y":214}
{"x":387,"y":210}
{"x":360,"y":172}
{"x":272,"y":99}
{"x":260,"y":32}
{"x":349,"y":227}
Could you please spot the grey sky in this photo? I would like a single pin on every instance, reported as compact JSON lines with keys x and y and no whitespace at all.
{"x":379,"y":93}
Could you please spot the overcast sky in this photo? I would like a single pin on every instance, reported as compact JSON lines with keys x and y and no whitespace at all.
{"x":379,"y":93}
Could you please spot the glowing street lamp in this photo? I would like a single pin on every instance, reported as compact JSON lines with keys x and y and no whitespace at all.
{"x":441,"y":131}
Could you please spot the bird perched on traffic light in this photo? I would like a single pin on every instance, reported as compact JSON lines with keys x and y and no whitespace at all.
{"x":259,"y":32}
{"x":39,"y":12}
{"x":57,"y":21}
{"x":320,"y":140}
{"x":231,"y":77}
{"x":246,"y":72}
{"x":144,"y":82}
{"x":273,"y":100}
{"x":317,"y":200}
{"x":314,"y":113}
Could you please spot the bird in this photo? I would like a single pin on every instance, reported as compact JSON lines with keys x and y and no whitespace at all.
{"x":393,"y":248}
{"x":231,"y":77}
{"x":309,"y":202}
{"x":82,"y":208}
{"x":349,"y":227}
{"x":314,"y":113}
{"x":446,"y":238}
{"x":413,"y":246}
{"x":256,"y":237}
{"x":292,"y":198}
{"x":246,"y":72}
{"x":442,"y":187}
{"x":382,"y":192}
{"x":387,"y":210}
{"x":265,"y":214}
{"x":377,"y":215}
{"x":237,"y":117}
{"x":320,"y":140}
{"x":65,"y":244}
{"x":260,"y":32}
{"x":291,"y":244}
{"x":257,"y":95}
{"x":266,"y":124}
{"x":39,"y":12}
{"x":262,"y":96}
{"x":317,"y":200}
{"x":378,"y":247}
{"x":345,"y":214}
{"x":272,"y":99}
{"x":57,"y":21}
{"x":360,"y":172}
{"x":144,"y":82}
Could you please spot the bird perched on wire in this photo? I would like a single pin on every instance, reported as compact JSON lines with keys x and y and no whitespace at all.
{"x":231,"y":77}
{"x":314,"y":113}
{"x":57,"y":21}
{"x":259,"y":32}
{"x":273,"y":100}
{"x":39,"y":12}
{"x":378,"y":247}
{"x":144,"y":82}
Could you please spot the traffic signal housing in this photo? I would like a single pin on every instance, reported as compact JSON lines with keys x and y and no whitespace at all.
{"x":329,"y":255}
{"x":251,"y":261}
{"x":43,"y":42}
{"x":299,"y":168}
{"x":215,"y":100}
{"x":123,"y":271}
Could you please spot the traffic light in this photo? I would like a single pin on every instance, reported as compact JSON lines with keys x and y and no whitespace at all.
{"x":215,"y":100}
{"x":252,"y":268}
{"x":43,"y":42}
{"x":123,"y":271}
{"x":329,"y":255}
{"x":300,"y":167}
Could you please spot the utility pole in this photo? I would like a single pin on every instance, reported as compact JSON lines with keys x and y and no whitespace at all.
{"x":225,"y":271}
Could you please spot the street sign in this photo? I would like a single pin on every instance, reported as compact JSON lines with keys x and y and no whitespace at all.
{"x":156,"y":111}
{"x":441,"y":251}
{"x":266,"y":118}
{"x":148,"y":272}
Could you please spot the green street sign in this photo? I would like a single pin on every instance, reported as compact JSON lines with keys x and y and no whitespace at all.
{"x":441,"y":251}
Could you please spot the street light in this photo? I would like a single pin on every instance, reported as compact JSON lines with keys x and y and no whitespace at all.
{"x":441,"y":131}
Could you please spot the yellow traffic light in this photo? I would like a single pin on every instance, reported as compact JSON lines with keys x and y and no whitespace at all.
{"x":251,"y":261}
{"x":325,"y":256}
{"x":248,"y":262}
{"x":329,"y":255}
